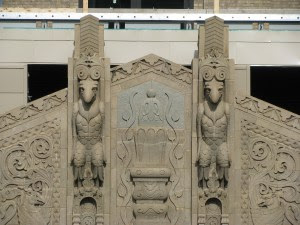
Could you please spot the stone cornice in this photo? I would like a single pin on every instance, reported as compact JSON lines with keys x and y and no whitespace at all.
{"x":32,"y":109}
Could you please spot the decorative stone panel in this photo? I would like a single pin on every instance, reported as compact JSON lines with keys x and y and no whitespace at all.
{"x":150,"y":143}
{"x":32,"y":163}
{"x":270,"y":176}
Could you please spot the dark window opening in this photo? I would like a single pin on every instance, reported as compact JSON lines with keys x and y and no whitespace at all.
{"x":157,"y":4}
{"x":278,"y":85}
{"x":163,"y":4}
{"x":109,"y":3}
{"x":44,"y":79}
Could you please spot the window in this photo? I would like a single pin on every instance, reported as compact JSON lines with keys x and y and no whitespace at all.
{"x":109,"y":3}
{"x":44,"y":79}
{"x":163,"y":4}
{"x":278,"y":85}
{"x":157,"y":4}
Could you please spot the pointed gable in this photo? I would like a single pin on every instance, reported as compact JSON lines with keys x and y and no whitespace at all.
{"x":152,"y":63}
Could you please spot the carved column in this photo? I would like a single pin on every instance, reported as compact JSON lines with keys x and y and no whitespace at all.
{"x":88,"y":146}
{"x":213,"y":119}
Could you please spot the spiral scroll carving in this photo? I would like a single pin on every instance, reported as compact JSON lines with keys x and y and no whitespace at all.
{"x":27,"y":171}
{"x":273,"y":188}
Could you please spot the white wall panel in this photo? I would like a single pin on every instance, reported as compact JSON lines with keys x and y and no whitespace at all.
{"x":13,"y":87}
{"x":55,"y":46}
{"x":48,"y":46}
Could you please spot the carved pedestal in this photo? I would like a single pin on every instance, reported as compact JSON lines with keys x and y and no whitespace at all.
{"x":149,"y":195}
{"x":87,"y":208}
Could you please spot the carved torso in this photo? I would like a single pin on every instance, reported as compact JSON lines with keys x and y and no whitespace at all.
{"x":214,"y":121}
{"x":88,"y":123}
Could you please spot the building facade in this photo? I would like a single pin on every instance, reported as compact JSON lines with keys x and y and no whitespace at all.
{"x":150,"y":141}
{"x":179,"y":4}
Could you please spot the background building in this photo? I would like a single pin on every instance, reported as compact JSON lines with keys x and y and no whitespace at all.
{"x":37,"y":34}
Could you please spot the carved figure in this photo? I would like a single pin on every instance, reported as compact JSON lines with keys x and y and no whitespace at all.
{"x":213,"y":115}
{"x":29,"y":211}
{"x":88,"y":115}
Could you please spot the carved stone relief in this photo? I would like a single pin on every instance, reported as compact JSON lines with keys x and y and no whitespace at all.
{"x":87,"y":127}
{"x":268,"y":111}
{"x":212,"y":126}
{"x":88,"y":118}
{"x":270,"y":177}
{"x":150,"y":147}
{"x":213,"y":115}
{"x":42,"y":105}
{"x":30,"y":176}
{"x":152,"y":63}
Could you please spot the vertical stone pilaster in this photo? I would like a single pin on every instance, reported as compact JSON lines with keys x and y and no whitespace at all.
{"x":89,"y":137}
{"x":213,"y":121}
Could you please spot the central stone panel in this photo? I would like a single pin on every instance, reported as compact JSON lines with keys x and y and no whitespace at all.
{"x":152,"y":150}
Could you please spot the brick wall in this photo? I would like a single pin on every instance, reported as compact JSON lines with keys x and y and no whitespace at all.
{"x":41,"y":3}
{"x":249,"y":4}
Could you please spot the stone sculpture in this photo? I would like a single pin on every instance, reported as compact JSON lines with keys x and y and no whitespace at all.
{"x":87,"y":126}
{"x":88,"y":118}
{"x":213,"y":116}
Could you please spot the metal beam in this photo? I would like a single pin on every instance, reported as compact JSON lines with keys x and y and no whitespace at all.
{"x":193,"y":17}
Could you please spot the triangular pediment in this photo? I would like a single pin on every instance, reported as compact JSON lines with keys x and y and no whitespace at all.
{"x":32,"y":109}
{"x":267,"y":111}
{"x":152,"y":63}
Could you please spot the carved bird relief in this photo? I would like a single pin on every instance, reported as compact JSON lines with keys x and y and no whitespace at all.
{"x":212,"y":120}
{"x":88,"y":115}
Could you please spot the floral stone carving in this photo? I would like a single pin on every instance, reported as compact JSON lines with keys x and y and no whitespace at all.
{"x":272,"y":170}
{"x":29,"y":176}
{"x":151,"y":144}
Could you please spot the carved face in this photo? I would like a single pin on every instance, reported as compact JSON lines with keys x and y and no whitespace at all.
{"x":213,"y":90}
{"x":88,"y":89}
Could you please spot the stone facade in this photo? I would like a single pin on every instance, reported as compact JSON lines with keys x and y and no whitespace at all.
{"x":149,"y":141}
{"x":198,"y":4}
{"x":41,"y":3}
{"x":248,"y":4}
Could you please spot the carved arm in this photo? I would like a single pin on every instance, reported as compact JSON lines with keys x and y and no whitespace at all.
{"x":101,"y":109}
{"x":74,"y":115}
{"x":200,"y":113}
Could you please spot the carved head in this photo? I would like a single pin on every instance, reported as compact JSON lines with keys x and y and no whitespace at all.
{"x":88,"y":71}
{"x":213,"y":72}
{"x":213,"y":90}
{"x":88,"y":90}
